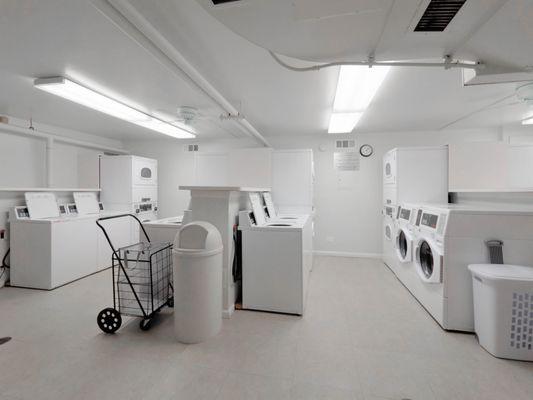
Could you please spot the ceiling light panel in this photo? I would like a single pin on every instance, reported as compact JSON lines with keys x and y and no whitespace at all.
{"x":343,"y":122}
{"x":80,"y":94}
{"x":357,"y":87}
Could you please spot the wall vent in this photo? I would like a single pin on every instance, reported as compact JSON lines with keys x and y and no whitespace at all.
{"x":438,"y":14}
{"x":191,"y":147}
{"x":217,"y":2}
{"x":344,"y":144}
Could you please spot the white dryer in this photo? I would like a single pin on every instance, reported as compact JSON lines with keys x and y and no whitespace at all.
{"x":449,"y":238}
{"x":389,"y":231}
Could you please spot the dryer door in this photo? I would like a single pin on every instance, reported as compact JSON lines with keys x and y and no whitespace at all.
{"x":389,"y":168}
{"x":428,"y":262}
{"x":404,"y":245}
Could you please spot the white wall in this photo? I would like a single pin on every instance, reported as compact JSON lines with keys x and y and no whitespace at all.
{"x":23,"y":165}
{"x":348,"y":219}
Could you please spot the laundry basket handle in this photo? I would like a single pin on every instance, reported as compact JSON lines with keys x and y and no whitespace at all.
{"x":115,"y":217}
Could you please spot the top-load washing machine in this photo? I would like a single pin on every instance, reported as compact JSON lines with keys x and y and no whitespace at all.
{"x":276,"y":260}
{"x":448,"y":238}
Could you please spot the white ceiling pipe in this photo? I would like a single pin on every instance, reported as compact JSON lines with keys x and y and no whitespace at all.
{"x":36,"y":134}
{"x":448,"y":63}
{"x":133,"y":24}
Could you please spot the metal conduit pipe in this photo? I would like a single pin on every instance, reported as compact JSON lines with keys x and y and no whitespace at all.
{"x":133,"y":24}
{"x":447,"y":64}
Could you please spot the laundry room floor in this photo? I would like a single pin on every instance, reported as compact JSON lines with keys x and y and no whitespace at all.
{"x":363,"y":337}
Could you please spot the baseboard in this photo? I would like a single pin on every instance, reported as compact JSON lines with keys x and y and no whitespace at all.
{"x":228,"y":312}
{"x":346,"y":254}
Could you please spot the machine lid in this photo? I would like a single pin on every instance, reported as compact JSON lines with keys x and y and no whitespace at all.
{"x":42,"y":205}
{"x":502,"y":271}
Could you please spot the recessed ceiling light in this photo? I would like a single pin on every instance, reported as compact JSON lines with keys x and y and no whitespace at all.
{"x":343,"y":122}
{"x":528,"y":121}
{"x":80,"y":94}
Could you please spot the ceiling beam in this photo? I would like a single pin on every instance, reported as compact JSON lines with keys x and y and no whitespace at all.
{"x":135,"y":26}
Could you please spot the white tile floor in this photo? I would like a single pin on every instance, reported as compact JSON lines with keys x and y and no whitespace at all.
{"x":363,"y":338}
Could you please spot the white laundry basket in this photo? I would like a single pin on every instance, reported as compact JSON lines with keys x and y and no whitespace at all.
{"x":503,"y":309}
{"x":197,"y":282}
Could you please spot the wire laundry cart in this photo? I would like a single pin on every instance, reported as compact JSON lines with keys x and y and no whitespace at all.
{"x":142,"y":280}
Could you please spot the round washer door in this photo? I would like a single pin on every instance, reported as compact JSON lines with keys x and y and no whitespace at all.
{"x":428,"y":262}
{"x":404,"y":244}
{"x":388,"y":232}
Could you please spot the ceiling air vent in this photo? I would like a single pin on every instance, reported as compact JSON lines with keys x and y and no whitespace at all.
{"x":344,"y":144}
{"x":217,"y":2}
{"x":438,"y":15}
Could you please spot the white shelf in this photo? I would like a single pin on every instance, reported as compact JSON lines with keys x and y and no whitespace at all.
{"x":518,"y":190}
{"x":225,"y":188}
{"x":48,"y":190}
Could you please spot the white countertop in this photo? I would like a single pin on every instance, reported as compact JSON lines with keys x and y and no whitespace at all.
{"x":225,"y":188}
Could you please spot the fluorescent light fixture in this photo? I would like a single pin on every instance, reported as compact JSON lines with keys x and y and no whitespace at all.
{"x":357,"y":86}
{"x":343,"y":122}
{"x":528,"y":121}
{"x":77,"y":93}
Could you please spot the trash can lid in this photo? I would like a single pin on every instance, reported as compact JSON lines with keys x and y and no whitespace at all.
{"x":198,"y":237}
{"x":502,"y":271}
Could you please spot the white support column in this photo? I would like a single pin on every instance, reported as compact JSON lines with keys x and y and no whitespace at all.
{"x":49,"y":162}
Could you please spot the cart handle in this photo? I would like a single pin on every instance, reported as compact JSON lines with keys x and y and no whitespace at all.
{"x":119,"y":216}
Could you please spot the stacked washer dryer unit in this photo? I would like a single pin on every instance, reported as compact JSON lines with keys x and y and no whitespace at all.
{"x":410,"y":175}
{"x":129,"y":184}
{"x":450,"y":237}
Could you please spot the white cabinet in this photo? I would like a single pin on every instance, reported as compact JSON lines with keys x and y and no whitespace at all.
{"x":415,"y":174}
{"x":520,"y":167}
{"x":211,"y":169}
{"x":478,"y":166}
{"x":490,"y":167}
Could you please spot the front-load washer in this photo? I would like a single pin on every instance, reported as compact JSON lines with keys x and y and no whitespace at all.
{"x":404,"y":243}
{"x":428,"y":260}
{"x":449,"y":238}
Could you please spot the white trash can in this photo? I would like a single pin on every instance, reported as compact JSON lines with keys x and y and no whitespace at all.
{"x":197,"y":282}
{"x":503,"y":309}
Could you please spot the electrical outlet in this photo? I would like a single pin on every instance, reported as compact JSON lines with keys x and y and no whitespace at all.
{"x":3,"y":234}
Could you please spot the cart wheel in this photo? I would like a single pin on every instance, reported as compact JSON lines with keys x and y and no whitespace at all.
{"x":170,"y":302}
{"x":109,"y":320}
{"x":145,"y":324}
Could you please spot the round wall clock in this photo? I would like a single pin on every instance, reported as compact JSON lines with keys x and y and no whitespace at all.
{"x":366,"y":150}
